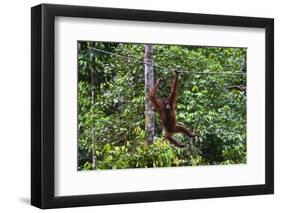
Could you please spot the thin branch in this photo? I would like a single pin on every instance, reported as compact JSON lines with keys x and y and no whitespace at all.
{"x":139,"y":61}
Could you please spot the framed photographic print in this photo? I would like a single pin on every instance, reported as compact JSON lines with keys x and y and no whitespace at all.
{"x":139,"y":106}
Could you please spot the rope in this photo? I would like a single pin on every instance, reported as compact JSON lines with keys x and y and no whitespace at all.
{"x":137,"y":60}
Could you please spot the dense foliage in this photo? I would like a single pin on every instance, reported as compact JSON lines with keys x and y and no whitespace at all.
{"x":111,"y":119}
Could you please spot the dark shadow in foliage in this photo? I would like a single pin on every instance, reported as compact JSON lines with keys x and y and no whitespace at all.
{"x":83,"y":157}
{"x":212,"y":149}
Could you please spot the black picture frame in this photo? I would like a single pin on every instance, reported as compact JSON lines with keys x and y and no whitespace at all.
{"x":43,"y":102}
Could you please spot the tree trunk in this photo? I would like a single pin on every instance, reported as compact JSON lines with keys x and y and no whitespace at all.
{"x":94,"y":155}
{"x":149,"y":80}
